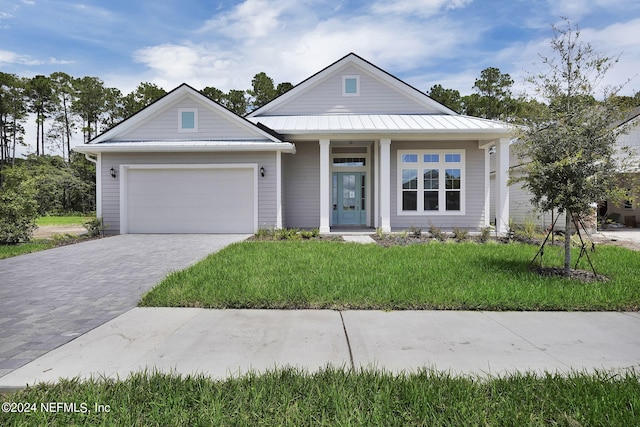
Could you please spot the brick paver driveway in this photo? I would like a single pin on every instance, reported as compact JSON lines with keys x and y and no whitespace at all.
{"x":48,"y":298}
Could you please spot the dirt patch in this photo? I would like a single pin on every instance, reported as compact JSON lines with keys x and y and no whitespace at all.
{"x":46,"y":232}
{"x":582,"y":275}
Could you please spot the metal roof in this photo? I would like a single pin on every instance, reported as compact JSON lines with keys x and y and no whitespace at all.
{"x":179,"y":145}
{"x":375,"y":123}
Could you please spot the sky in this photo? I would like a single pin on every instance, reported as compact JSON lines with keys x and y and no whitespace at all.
{"x":224,"y":43}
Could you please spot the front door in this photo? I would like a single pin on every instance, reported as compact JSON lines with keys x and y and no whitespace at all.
{"x":349,"y":204}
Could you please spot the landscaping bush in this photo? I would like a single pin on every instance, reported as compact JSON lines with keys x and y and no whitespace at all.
{"x":18,"y":207}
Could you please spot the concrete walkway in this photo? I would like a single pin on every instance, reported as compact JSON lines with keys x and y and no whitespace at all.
{"x":48,"y":298}
{"x":222,"y":343}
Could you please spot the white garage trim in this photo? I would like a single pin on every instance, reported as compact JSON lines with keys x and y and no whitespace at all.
{"x":124,"y":169}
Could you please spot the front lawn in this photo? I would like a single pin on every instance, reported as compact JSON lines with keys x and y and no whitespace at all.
{"x":62,"y":220}
{"x":8,"y":251}
{"x":316,"y":274}
{"x":333,"y":397}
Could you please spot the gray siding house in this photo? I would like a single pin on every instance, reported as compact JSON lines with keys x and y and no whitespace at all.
{"x":351,"y":146}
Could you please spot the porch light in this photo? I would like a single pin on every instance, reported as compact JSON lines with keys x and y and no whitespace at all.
{"x":262,"y":171}
{"x":113,"y":173}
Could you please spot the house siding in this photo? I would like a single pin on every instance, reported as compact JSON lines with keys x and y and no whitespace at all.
{"x":211,"y":125}
{"x":302,"y":188}
{"x":111,"y":187}
{"x":375,"y":97}
{"x":474,"y":188}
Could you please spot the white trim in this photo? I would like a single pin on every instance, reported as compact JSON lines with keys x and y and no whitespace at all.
{"x":385,"y":185}
{"x":182,"y":129}
{"x":376,"y":185}
{"x":125,"y":168}
{"x":325,"y":186}
{"x":502,"y":188}
{"x":441,"y":165}
{"x":184,"y":147}
{"x":366,"y":169}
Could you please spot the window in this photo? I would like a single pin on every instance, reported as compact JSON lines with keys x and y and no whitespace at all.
{"x":351,"y":85}
{"x":440,"y":188}
{"x":628,"y":202}
{"x":187,"y":120}
{"x":349,"y":161}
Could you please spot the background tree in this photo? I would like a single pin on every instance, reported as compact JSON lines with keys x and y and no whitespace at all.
{"x":214,"y":94}
{"x":237,"y":101}
{"x":262,"y":90}
{"x":13,"y":113}
{"x":494,"y":98}
{"x":283,"y":88}
{"x":63,"y":121}
{"x":89,"y":104}
{"x":570,"y":152}
{"x":450,"y":98}
{"x":41,"y":102}
{"x":143,"y":96}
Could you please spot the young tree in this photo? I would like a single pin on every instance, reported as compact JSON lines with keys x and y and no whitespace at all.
{"x":569,"y":153}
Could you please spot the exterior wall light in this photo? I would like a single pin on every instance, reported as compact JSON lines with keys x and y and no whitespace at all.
{"x":262,"y":171}
{"x":113,"y":173}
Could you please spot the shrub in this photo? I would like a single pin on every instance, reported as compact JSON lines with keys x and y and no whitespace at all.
{"x":95,"y":227}
{"x":415,"y":231}
{"x":485,"y":234}
{"x":18,"y":207}
{"x":437,"y":233}
{"x":460,"y":234}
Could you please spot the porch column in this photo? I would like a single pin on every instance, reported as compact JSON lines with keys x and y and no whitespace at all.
{"x":502,"y":189}
{"x":325,"y":189}
{"x":385,"y":185}
{"x":278,"y":189}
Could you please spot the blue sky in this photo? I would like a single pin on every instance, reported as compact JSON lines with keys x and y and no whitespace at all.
{"x":224,"y":43}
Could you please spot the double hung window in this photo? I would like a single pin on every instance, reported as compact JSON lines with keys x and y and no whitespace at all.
{"x":431,"y":182}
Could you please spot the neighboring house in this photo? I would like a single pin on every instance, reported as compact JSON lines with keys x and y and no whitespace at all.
{"x":521,"y":210}
{"x":629,"y":212}
{"x":350,"y":146}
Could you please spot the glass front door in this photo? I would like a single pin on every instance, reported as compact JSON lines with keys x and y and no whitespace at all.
{"x":349,"y":204}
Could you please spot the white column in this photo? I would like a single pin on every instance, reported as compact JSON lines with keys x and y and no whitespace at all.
{"x":376,"y":186}
{"x":278,"y":189}
{"x":502,"y":189}
{"x":487,"y":186}
{"x":325,"y":188}
{"x":385,"y":185}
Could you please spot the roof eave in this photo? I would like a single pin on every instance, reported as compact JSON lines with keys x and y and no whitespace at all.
{"x":284,"y":147}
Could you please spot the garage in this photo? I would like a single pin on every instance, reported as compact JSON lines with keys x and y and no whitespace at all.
{"x":189,"y":199}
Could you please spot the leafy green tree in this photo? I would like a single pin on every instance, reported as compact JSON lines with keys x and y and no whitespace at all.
{"x":63,"y":121}
{"x":214,"y":94}
{"x":41,"y":102}
{"x":262,"y":91}
{"x":283,"y":88}
{"x":569,"y":153}
{"x":494,"y":95}
{"x":13,"y":114}
{"x":89,"y":104}
{"x":450,"y":98}
{"x":143,"y":96}
{"x":18,"y":207}
{"x":236,"y":101}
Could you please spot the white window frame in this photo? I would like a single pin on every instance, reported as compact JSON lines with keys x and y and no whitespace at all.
{"x":441,"y":166}
{"x":195,"y":119}
{"x":344,"y":85}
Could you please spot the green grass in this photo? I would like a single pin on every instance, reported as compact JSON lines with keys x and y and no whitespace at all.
{"x":312,"y":274}
{"x":335,"y":397}
{"x":8,"y":251}
{"x":62,"y":220}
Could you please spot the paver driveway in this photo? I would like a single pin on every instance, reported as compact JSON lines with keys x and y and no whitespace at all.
{"x":48,"y":298}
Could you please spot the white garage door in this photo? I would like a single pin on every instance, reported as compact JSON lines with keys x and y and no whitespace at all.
{"x":211,"y":200}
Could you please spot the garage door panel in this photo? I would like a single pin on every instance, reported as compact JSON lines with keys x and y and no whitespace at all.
{"x":213,"y":200}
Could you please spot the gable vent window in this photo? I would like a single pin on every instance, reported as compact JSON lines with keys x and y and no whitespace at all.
{"x":351,"y":85}
{"x":187,"y":120}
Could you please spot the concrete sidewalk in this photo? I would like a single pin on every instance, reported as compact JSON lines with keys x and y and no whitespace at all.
{"x":222,"y":343}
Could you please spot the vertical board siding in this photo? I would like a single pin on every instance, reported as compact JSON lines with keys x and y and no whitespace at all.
{"x":376,"y":97}
{"x":111,"y":187}
{"x":302,"y":189}
{"x":474,"y":184}
{"x":211,"y":125}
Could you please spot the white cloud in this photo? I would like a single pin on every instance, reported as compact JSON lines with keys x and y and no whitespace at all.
{"x":575,"y":9}
{"x":417,"y":7}
{"x":8,"y":57}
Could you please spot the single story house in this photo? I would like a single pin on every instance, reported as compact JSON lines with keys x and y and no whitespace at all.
{"x":351,"y":146}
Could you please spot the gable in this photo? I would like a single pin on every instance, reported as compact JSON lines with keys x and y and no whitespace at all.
{"x":184,"y":114}
{"x":208,"y":124}
{"x":376,"y":92}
